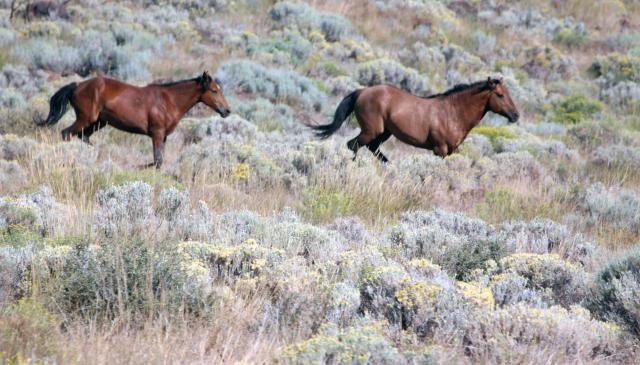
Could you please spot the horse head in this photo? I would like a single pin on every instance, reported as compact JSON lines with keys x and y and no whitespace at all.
{"x":212,"y":95}
{"x":500,"y":101}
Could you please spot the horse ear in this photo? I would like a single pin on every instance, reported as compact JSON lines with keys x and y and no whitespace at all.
{"x":206,"y":77}
{"x":492,"y":83}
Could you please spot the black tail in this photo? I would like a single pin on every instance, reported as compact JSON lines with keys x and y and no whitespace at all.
{"x":58,"y":104}
{"x":346,"y":107}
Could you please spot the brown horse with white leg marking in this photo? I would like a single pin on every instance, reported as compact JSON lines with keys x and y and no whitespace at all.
{"x":439,"y":122}
{"x":154,"y":110}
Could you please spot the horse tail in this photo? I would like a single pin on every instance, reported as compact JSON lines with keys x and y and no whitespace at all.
{"x":59,"y":103}
{"x":345,"y":108}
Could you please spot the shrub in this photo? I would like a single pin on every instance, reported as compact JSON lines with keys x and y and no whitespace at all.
{"x":10,"y":99}
{"x":7,"y":37}
{"x":315,"y":244}
{"x":616,"y":67}
{"x":27,"y":328}
{"x":591,"y":135}
{"x":269,"y":117}
{"x":458,"y":243}
{"x":274,"y":84}
{"x":624,"y":94}
{"x":391,"y":72}
{"x":37,"y":211}
{"x":378,"y":288}
{"x":123,"y":56}
{"x":575,"y":108}
{"x":430,"y":12}
{"x":351,"y":228}
{"x":547,"y":63}
{"x":510,"y":166}
{"x":511,"y":288}
{"x":521,"y":333}
{"x":555,"y":281}
{"x":345,"y":303}
{"x":124,"y":210}
{"x":13,"y":147}
{"x":426,"y":59}
{"x":12,"y":176}
{"x":543,"y":236}
{"x":219,"y":129}
{"x":44,"y":54}
{"x":362,"y":344}
{"x":332,"y":26}
{"x":617,"y":156}
{"x":494,"y":133}
{"x":295,"y":48}
{"x":545,"y":150}
{"x":485,"y":43}
{"x":571,"y":37}
{"x":342,"y":85}
{"x":546,"y":129}
{"x":620,"y":209}
{"x":616,"y":293}
{"x":107,"y":52}
{"x":72,"y":155}
{"x":241,"y":164}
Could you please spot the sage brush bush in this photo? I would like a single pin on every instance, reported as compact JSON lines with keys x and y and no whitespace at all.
{"x":617,"y":156}
{"x":555,"y":281}
{"x":274,"y":84}
{"x":257,"y":243}
{"x":332,"y":26}
{"x":616,"y":293}
{"x":391,"y":72}
{"x":620,"y":209}
{"x":458,"y":243}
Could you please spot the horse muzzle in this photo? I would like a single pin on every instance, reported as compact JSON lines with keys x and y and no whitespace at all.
{"x":224,"y":112}
{"x":513,"y":117}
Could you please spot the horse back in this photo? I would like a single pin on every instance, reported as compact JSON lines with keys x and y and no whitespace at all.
{"x":408,"y":117}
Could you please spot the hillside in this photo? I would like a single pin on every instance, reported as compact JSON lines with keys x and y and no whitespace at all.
{"x":256,"y":242}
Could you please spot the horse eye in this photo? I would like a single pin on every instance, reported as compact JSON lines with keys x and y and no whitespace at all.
{"x":500,"y":96}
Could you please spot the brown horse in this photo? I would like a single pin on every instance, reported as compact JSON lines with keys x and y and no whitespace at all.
{"x":153,"y":110}
{"x":439,"y":122}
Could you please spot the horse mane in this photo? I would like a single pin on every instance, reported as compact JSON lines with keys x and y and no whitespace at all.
{"x":482,"y":85}
{"x":172,"y":83}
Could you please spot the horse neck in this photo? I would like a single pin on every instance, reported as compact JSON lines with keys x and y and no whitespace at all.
{"x":471,"y":106}
{"x":185,"y":95}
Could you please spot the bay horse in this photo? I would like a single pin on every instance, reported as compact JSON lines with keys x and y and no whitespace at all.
{"x":438,"y":122}
{"x":153,"y":110}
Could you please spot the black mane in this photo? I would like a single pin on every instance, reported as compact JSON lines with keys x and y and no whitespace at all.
{"x":172,"y":83}
{"x":482,"y":85}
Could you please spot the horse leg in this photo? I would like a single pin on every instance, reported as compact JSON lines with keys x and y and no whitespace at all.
{"x":353,"y":145}
{"x":158,"y":139}
{"x":85,"y":117}
{"x":441,"y":150}
{"x":78,"y":129}
{"x":363,"y":139}
{"x":374,"y":146}
{"x":86,"y":133}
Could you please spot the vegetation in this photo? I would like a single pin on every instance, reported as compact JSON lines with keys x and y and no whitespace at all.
{"x":257,"y":243}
